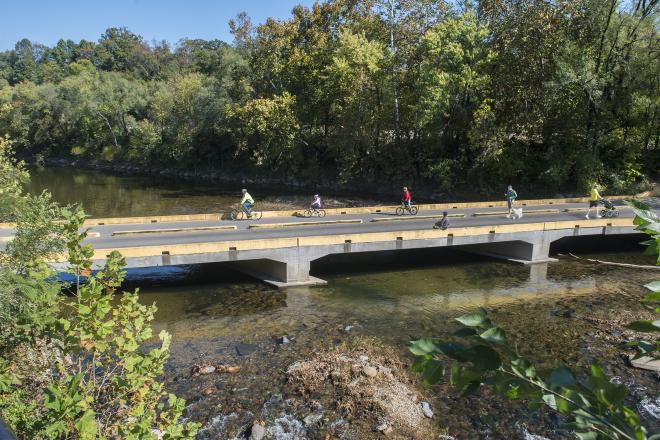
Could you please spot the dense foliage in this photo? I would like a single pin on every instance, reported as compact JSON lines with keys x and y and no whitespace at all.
{"x":74,"y":367}
{"x":549,"y":95}
{"x":593,"y":407}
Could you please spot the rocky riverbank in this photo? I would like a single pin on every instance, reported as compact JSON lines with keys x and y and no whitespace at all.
{"x":327,"y":381}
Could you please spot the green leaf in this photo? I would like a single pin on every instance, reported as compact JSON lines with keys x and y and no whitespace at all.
{"x":465,"y":332}
{"x":420,"y":363}
{"x":494,"y":335}
{"x":86,"y":425}
{"x":561,"y":377}
{"x":645,"y":326}
{"x":473,"y":319}
{"x":652,"y":297}
{"x":453,"y":350}
{"x":483,"y":357}
{"x":433,"y":372}
{"x":421,"y":347}
{"x":465,"y":378}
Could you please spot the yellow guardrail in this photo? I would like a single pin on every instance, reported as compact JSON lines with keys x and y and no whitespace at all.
{"x":309,"y":223}
{"x":329,"y":211}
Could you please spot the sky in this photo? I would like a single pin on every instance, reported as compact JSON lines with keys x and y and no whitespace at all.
{"x":46,"y":21}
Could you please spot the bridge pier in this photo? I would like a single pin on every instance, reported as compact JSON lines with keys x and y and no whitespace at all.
{"x":534,"y":251}
{"x":293,"y":272}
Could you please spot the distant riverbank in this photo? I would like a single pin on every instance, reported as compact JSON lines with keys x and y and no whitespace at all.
{"x":382,"y":193}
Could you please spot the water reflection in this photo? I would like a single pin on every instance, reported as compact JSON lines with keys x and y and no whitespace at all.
{"x":377,"y":303}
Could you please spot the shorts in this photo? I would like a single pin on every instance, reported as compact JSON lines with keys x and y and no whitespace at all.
{"x":593,"y":203}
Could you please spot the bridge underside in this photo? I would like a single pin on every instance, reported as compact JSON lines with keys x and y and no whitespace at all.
{"x":290,"y":266}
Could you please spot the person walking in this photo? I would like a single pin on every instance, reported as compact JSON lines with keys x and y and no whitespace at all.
{"x":594,"y":200}
{"x":511,"y":197}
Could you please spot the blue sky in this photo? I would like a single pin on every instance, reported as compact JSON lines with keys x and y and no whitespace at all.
{"x":46,"y":21}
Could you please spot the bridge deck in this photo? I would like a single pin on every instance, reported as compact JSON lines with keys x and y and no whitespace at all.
{"x":285,"y":252}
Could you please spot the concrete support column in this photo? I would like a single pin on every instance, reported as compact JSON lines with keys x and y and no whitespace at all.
{"x":293,"y":272}
{"x":528,"y":252}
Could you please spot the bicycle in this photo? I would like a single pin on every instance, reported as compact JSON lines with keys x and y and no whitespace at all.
{"x":241,"y":214}
{"x":412,"y":210}
{"x":314,"y":211}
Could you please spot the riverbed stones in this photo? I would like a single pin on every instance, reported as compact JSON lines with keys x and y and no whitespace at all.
{"x":384,"y":428}
{"x":646,"y":363}
{"x":198,"y":370}
{"x":208,"y":391}
{"x":284,"y":340}
{"x":231,"y":369}
{"x":257,"y":432}
{"x":243,"y":349}
{"x":312,"y":419}
{"x":426,"y":409}
{"x":369,"y":371}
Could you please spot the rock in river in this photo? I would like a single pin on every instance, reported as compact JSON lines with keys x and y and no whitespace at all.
{"x":283,"y":340}
{"x":426,"y":409}
{"x":243,"y":349}
{"x":369,"y":371}
{"x":257,"y":432}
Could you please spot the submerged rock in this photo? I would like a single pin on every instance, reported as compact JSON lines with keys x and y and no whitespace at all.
{"x":369,"y":371}
{"x":198,"y":370}
{"x":257,"y":432}
{"x":426,"y":409}
{"x":243,"y":349}
{"x":312,"y":419}
{"x":283,"y":340}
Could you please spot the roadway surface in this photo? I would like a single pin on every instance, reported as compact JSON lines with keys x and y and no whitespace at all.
{"x":103,"y":238}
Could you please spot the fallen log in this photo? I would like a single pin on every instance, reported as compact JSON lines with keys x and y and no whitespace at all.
{"x":611,"y":263}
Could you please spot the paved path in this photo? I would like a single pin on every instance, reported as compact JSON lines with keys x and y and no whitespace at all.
{"x":102,"y":236}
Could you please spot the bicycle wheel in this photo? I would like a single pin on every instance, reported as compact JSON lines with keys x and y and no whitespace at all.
{"x":399,"y":211}
{"x":234,"y":214}
{"x":308,"y":213}
{"x":414,"y":210}
{"x":321,"y":213}
{"x":256,"y":215}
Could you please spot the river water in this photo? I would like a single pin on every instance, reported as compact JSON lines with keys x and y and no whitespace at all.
{"x":570,"y":312}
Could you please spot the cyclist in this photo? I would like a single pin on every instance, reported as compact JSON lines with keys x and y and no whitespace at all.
{"x":247,"y":202}
{"x":511,"y":197}
{"x":407,"y":198}
{"x":316,"y":203}
{"x":594,"y":199}
{"x":443,"y":223}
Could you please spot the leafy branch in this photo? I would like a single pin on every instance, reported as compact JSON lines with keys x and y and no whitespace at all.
{"x":483,"y":356}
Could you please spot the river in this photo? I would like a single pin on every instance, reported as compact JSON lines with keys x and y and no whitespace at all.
{"x":570,"y":312}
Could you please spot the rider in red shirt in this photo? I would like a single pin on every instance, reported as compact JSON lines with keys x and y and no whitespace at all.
{"x":406,"y":196}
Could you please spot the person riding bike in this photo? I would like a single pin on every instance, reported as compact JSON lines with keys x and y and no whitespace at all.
{"x":511,"y":197}
{"x":443,"y":223}
{"x":316,"y":202}
{"x":247,"y":202}
{"x":407,"y":198}
{"x":594,"y":199}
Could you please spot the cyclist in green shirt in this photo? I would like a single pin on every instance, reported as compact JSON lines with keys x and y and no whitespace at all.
{"x":511,"y":197}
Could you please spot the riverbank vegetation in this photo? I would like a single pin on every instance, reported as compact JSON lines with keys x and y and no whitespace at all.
{"x":593,"y":407}
{"x":549,"y":95}
{"x":77,"y":366}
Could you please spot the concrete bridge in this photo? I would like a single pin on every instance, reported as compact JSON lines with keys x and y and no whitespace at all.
{"x":280,"y":251}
